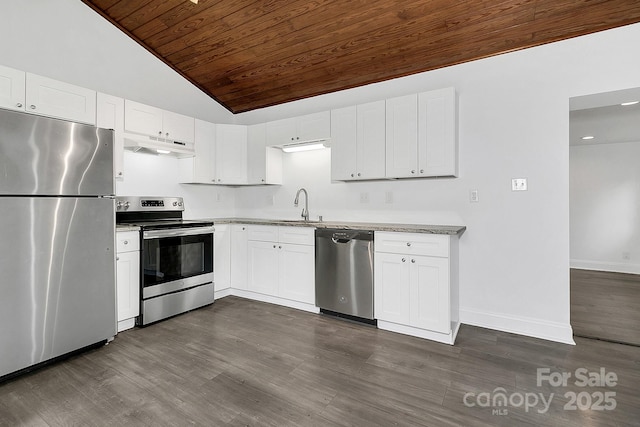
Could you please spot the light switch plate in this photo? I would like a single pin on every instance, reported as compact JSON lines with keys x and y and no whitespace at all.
{"x":519,"y":184}
{"x":473,"y":196}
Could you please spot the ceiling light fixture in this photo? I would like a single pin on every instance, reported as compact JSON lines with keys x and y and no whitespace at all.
{"x":587,"y":137}
{"x":292,"y":148}
{"x":629,"y":103}
{"x":163,"y":151}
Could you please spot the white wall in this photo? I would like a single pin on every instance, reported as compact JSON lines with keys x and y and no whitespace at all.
{"x":68,"y":41}
{"x":514,"y":122}
{"x":605,"y":207}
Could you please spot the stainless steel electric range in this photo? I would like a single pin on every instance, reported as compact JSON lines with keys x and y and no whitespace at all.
{"x":176,"y":256}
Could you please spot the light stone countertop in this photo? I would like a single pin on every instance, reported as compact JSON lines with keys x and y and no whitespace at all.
{"x":405,"y":228}
{"x":126,"y":227}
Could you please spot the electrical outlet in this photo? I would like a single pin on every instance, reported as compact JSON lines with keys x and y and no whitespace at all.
{"x":519,"y":184}
{"x":364,"y":197}
{"x":388,"y":197}
{"x":473,"y":196}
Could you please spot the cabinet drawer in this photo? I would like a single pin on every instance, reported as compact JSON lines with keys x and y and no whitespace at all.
{"x":263,"y":233}
{"x":296,"y":235}
{"x":412,"y":243}
{"x":127,"y":241}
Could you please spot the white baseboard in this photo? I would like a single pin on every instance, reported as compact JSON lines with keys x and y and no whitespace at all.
{"x":274,"y":300}
{"x":222,"y":293}
{"x":616,"y":267}
{"x":552,"y":331}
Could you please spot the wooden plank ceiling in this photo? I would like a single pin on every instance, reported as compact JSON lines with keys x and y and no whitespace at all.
{"x":253,"y":54}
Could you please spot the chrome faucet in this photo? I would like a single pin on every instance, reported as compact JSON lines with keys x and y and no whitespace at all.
{"x":305,"y":211}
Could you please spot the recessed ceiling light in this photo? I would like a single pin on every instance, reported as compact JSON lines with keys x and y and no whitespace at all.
{"x":629,"y":103}
{"x":588,"y":137}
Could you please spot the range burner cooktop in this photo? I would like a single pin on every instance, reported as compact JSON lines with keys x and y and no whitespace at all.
{"x":151,"y":213}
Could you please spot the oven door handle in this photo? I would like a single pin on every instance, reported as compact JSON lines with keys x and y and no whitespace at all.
{"x":176,"y":232}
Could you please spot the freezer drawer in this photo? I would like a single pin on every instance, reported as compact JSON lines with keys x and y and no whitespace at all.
{"x":58,"y":277}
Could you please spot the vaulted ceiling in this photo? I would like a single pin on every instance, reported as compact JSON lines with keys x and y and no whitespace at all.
{"x":253,"y":54}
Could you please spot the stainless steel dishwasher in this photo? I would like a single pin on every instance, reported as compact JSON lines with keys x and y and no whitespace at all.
{"x":344,"y":273}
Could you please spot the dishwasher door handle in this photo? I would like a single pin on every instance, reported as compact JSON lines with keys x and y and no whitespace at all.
{"x":334,"y":240}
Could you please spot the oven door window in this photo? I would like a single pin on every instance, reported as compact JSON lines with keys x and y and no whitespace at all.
{"x":167,"y":259}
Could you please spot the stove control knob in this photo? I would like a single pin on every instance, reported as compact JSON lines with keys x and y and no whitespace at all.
{"x":119,"y":204}
{"x":175,"y":203}
{"x":126,"y":205}
{"x":179,"y":203}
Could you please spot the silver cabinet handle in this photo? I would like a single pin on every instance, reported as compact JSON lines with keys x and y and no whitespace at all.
{"x":126,"y":242}
{"x":274,"y":246}
{"x":413,"y":261}
{"x":166,"y":134}
{"x":159,"y":133}
{"x":120,"y":173}
{"x":421,"y":170}
{"x":279,"y":247}
{"x":351,"y":175}
{"x":359,"y":174}
{"x":413,"y":171}
{"x":408,"y":243}
{"x":404,"y":259}
{"x":117,"y":258}
{"x":19,"y":105}
{"x":33,"y":107}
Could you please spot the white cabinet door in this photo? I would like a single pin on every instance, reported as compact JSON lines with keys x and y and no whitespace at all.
{"x":176,"y":127}
{"x":142,"y":119}
{"x":370,"y":149}
{"x":239,"y":257}
{"x":392,"y":288}
{"x":222,"y":257}
{"x":12,"y":88}
{"x":437,"y":133}
{"x":402,"y":137}
{"x":128,"y":284}
{"x":429,"y":294}
{"x":343,"y":144}
{"x":312,"y":127}
{"x":297,"y":272}
{"x":53,"y":98}
{"x":262,"y":267}
{"x":110,"y":115}
{"x":231,"y":154}
{"x":200,"y":168}
{"x":280,"y":132}
{"x":257,"y":154}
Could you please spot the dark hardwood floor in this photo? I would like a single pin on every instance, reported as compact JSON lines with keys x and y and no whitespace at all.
{"x":246,"y":363}
{"x":606,"y":305}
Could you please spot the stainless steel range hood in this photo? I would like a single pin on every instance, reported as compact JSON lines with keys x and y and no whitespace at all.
{"x":154,"y":145}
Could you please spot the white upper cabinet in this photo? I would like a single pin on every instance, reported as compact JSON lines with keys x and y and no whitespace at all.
{"x":264,"y":163}
{"x":231,"y":154}
{"x":47,"y":97}
{"x":151,"y":121}
{"x":110,"y":115}
{"x":200,"y":169}
{"x":12,"y":88}
{"x":421,"y":135}
{"x":437,"y":133}
{"x":402,"y":137}
{"x":358,"y":142}
{"x":311,"y":127}
{"x":143,"y":119}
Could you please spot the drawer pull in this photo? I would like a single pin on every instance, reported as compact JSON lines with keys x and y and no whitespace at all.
{"x":408,"y":243}
{"x":404,"y":259}
{"x":413,"y":261}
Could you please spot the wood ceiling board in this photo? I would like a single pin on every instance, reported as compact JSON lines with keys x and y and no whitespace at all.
{"x":248,"y":54}
{"x":260,"y":30}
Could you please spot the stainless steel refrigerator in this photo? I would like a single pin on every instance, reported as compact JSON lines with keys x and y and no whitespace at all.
{"x":57,"y":225}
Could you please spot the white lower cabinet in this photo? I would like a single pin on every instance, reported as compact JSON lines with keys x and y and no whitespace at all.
{"x":416,"y":289}
{"x":127,"y":278}
{"x":281,"y":265}
{"x":222,"y":257}
{"x":239,"y":242}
